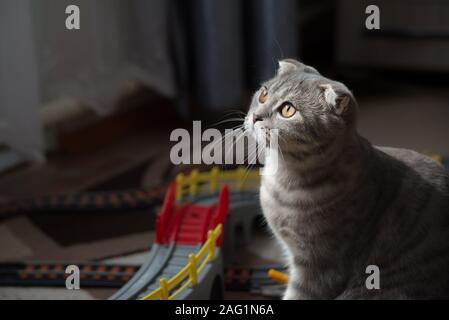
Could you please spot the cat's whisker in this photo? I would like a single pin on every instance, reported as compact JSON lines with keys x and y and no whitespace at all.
{"x":250,"y":155}
{"x":227,"y":134}
{"x":238,"y":114}
{"x":279,"y":150}
{"x":226,"y":121}
{"x":223,"y":139}
{"x":250,"y":165}
{"x":235,"y":111}
{"x":234,"y":142}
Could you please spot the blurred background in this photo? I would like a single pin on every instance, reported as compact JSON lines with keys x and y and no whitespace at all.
{"x":91,"y":110}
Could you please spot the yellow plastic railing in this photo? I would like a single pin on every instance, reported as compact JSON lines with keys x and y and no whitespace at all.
{"x":189,"y":184}
{"x":188,"y":276}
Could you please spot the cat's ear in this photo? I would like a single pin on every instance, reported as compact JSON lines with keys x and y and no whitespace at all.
{"x":338,"y":98}
{"x":287,"y":65}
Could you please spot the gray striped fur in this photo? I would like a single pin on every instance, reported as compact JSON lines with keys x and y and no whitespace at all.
{"x":338,"y":204}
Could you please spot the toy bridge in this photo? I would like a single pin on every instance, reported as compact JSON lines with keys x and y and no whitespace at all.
{"x":194,"y":233}
{"x":188,"y":224}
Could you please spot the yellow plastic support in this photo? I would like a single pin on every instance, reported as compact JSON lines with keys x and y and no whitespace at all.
{"x":164,"y":288}
{"x":214,"y":179}
{"x":155,"y":295}
{"x":278,"y":276}
{"x":188,"y":276}
{"x":179,"y":186}
{"x":179,"y":277}
{"x":193,"y":181}
{"x":211,"y":240}
{"x":240,"y":175}
{"x":193,"y":269}
{"x":190,"y":184}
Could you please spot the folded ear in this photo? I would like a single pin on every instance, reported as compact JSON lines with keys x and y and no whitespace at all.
{"x":287,"y":65}
{"x":339,"y":98}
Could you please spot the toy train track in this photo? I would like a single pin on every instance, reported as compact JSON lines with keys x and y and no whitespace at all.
{"x":192,"y":231}
{"x":178,"y":266}
{"x":255,"y":280}
{"x":103,"y":275}
{"x":53,"y":274}
{"x":84,"y":202}
{"x":103,"y":201}
{"x":201,"y":188}
{"x":194,"y":235}
{"x":180,"y":232}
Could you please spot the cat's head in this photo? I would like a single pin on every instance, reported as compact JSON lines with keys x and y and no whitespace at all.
{"x":303,"y":106}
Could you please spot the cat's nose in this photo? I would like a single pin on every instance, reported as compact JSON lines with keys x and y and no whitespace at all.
{"x":256,"y":118}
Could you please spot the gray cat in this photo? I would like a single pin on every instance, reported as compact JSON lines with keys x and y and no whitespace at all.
{"x":338,"y":205}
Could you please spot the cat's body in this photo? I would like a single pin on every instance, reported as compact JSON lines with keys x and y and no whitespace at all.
{"x":338,"y":204}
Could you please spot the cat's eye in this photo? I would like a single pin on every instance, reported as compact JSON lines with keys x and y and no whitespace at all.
{"x":263,"y":95}
{"x":287,"y":110}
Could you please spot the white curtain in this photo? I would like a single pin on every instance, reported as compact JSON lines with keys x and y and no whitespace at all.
{"x":120,"y":43}
{"x":19,"y":86}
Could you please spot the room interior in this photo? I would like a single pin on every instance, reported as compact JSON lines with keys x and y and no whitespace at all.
{"x":91,"y":110}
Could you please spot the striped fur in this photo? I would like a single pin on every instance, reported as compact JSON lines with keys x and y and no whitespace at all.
{"x":337,"y":204}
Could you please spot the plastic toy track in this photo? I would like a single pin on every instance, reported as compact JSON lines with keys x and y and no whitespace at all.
{"x":178,"y":266}
{"x":102,"y":275}
{"x":193,"y":235}
{"x":53,"y":274}
{"x":174,"y":256}
{"x":239,"y":278}
{"x":111,"y":201}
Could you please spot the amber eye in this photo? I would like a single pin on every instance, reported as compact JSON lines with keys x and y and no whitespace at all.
{"x":263,"y":95}
{"x":287,"y":110}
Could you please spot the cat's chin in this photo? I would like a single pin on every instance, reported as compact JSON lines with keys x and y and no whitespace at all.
{"x":258,"y":136}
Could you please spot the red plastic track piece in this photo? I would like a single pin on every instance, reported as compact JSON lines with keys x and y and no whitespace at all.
{"x":222,"y":211}
{"x":188,"y":224}
{"x":163,"y":219}
{"x":194,"y":225}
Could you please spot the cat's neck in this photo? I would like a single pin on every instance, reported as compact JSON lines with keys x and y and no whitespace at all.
{"x":347,"y":153}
